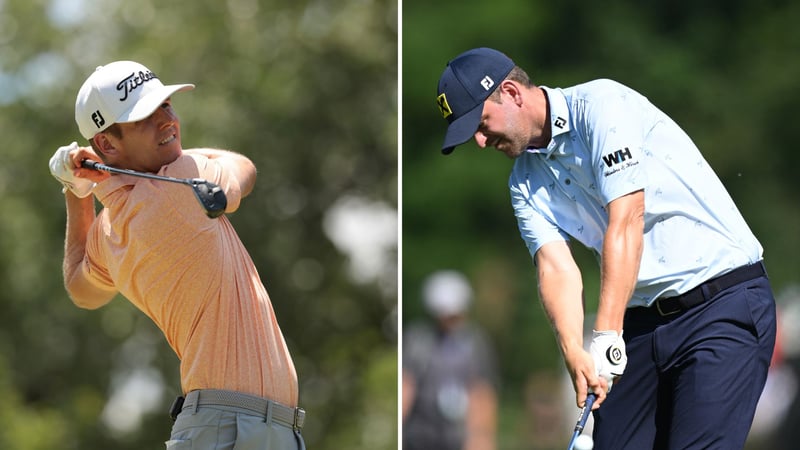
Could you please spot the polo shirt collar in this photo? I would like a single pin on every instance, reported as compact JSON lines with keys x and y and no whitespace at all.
{"x":559,"y":120}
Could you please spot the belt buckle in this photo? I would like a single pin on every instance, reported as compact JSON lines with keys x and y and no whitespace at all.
{"x":668,"y":313}
{"x":296,"y":422}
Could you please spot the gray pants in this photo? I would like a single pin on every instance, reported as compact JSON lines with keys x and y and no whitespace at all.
{"x":229,"y":427}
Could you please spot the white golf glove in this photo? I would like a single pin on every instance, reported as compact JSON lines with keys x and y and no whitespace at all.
{"x":61,"y":168}
{"x":608,"y":353}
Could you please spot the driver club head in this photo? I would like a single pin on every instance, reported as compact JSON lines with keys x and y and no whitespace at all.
{"x":211,"y":196}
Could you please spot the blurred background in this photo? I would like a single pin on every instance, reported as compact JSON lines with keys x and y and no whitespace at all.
{"x":726,"y":71}
{"x":308,"y":91}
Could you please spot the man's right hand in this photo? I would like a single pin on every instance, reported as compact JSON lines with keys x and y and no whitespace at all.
{"x":580,"y":366}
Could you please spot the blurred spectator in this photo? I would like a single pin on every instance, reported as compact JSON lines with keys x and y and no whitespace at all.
{"x":449,"y":376}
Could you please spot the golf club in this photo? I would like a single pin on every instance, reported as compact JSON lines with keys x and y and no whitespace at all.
{"x":211,"y":196}
{"x":587,"y":408}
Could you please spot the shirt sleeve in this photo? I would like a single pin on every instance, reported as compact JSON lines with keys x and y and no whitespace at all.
{"x":615,"y":127}
{"x":534,"y":228}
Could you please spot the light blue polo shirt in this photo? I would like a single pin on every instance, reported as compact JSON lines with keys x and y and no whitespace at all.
{"x":608,"y":141}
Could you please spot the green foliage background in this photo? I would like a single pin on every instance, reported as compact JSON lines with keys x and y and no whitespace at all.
{"x":308,"y":91}
{"x":726,"y":71}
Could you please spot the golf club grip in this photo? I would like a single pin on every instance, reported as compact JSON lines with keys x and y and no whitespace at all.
{"x":94,"y":165}
{"x":89,"y":164}
{"x":587,"y":408}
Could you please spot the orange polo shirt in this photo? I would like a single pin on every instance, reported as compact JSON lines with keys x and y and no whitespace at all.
{"x":193,"y":277}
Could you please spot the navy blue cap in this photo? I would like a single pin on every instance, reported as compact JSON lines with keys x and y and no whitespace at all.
{"x":468,"y":80}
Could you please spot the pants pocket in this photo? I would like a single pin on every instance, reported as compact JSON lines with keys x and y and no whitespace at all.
{"x":301,"y":443}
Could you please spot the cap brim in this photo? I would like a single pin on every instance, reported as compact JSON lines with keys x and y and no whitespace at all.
{"x":462,"y":129}
{"x":145,"y":106}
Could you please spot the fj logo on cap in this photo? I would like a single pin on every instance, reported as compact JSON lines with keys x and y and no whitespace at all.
{"x":487,"y":82}
{"x":98,"y":119}
{"x":441,"y":100}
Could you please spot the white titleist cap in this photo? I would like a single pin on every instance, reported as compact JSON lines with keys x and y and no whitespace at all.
{"x":446,"y":293}
{"x":119,"y":92}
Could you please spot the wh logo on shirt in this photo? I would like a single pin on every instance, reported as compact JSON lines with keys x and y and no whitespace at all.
{"x":617,"y":157}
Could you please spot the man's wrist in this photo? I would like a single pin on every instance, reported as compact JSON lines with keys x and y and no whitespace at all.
{"x":569,"y":345}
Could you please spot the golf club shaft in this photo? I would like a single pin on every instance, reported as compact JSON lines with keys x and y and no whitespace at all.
{"x":98,"y":166}
{"x":587,"y":408}
{"x":210,"y":196}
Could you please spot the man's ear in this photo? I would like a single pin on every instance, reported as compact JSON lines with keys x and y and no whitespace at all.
{"x":511,"y":89}
{"x":104,"y":145}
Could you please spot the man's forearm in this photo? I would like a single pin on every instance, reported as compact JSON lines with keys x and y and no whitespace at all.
{"x":618,"y":280}
{"x":621,"y":257}
{"x":80,"y":215}
{"x":561,"y":295}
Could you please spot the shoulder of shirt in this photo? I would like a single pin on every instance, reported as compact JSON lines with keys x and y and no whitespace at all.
{"x":598,"y":88}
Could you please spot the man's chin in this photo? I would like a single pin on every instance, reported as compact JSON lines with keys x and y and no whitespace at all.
{"x":172,"y":151}
{"x":512,"y":153}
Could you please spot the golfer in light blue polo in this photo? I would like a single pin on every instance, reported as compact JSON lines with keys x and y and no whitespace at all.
{"x":685,"y":324}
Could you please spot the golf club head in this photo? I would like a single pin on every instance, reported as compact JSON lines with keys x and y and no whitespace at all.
{"x":211,"y":196}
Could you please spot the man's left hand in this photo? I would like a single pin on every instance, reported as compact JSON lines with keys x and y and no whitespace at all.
{"x":608,"y":353}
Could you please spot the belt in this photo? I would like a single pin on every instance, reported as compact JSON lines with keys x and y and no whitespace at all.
{"x":292,"y":417}
{"x":707,"y":290}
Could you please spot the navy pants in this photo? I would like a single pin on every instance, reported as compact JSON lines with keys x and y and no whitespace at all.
{"x":693,"y":379}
